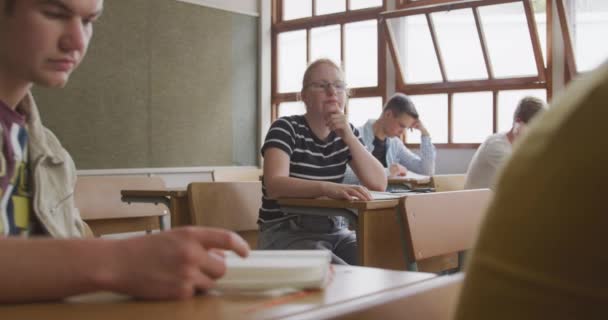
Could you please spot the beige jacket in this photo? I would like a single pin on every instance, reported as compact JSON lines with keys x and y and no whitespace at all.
{"x":53,"y":177}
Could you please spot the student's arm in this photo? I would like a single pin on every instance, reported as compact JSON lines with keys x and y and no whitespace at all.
{"x":423,"y":163}
{"x":280,"y":185}
{"x":167,"y":265}
{"x":368,"y":169}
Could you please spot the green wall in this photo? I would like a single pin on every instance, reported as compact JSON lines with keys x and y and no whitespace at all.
{"x":165,"y":84}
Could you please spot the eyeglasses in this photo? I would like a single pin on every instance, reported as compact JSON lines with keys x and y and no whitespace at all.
{"x":339,"y":86}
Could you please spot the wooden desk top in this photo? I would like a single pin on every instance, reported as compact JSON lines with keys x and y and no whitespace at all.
{"x":332,"y":203}
{"x":350,"y":287}
{"x":154,"y":193}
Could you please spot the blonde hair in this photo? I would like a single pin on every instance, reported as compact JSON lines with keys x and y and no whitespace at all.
{"x":313,"y":65}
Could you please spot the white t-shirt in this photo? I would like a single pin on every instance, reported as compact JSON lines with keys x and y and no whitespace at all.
{"x":486,"y":162}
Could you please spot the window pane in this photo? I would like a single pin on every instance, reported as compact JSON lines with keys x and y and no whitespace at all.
{"x":292,"y":60}
{"x":417,"y":51}
{"x":362,"y":109}
{"x":433,"y":112}
{"x":330,"y":6}
{"x":291,"y":108}
{"x":459,"y":43}
{"x":590,"y":25}
{"x":472,"y":117}
{"x":361,"y":55}
{"x":361,"y":4}
{"x":508,"y":40}
{"x":325,"y":43}
{"x":540,"y":15}
{"x":508,"y":101}
{"x":295,"y":9}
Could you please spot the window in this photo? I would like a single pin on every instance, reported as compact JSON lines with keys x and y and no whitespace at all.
{"x":465,"y":64}
{"x":362,"y":109}
{"x":345,"y":31}
{"x":433,"y":112}
{"x":586,"y":23}
{"x":459,"y":60}
{"x":291,"y":108}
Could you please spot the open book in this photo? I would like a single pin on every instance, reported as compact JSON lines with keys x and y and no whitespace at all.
{"x":411,"y":177}
{"x":276,"y":269}
{"x":378,"y":195}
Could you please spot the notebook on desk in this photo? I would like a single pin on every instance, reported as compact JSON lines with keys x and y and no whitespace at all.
{"x":276,"y":269}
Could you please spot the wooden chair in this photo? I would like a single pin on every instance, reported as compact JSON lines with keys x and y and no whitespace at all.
{"x":448,"y":182}
{"x":232,"y":174}
{"x":440,"y":223}
{"x":99,"y":201}
{"x":229,"y":205}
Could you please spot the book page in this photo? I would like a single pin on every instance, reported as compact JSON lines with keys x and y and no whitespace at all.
{"x":377,"y":195}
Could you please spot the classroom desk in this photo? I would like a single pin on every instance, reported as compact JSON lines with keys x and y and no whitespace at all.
{"x":376,"y":222}
{"x":352,"y":289}
{"x":434,"y":299}
{"x":175,"y":200}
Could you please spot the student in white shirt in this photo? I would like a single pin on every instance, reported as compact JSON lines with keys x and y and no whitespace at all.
{"x":498,"y":147}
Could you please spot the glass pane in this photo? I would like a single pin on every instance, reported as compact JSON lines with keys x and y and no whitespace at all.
{"x":325,"y":43}
{"x":590,"y":25}
{"x":540,"y":15}
{"x":291,"y":108}
{"x":292,"y":60}
{"x":459,"y":43}
{"x":433,"y":112}
{"x":508,"y":101}
{"x":361,"y":54}
{"x":295,"y":9}
{"x":361,"y":4}
{"x":417,"y":51}
{"x":472,"y":117}
{"x":362,"y":109}
{"x":330,"y":6}
{"x":508,"y":40}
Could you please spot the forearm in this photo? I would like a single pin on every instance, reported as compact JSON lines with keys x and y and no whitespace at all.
{"x":423,"y":163}
{"x":369,"y":170}
{"x":427,"y":155}
{"x":288,"y":187}
{"x":50,"y":269}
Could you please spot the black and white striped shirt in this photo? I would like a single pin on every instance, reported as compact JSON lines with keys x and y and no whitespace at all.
{"x":309,"y":157}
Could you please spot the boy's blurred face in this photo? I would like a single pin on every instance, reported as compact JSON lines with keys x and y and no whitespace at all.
{"x":394,"y":126}
{"x":43,"y":41}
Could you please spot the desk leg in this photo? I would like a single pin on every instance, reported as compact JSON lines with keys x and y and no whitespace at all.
{"x":379,"y":239}
{"x":180,"y":212}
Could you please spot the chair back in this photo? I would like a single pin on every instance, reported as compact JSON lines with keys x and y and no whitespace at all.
{"x":99,"y":201}
{"x":442,"y":222}
{"x":448,"y":182}
{"x":230,"y":205}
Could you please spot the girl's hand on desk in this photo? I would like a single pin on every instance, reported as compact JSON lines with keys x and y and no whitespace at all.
{"x":172,"y":264}
{"x":346,"y":192}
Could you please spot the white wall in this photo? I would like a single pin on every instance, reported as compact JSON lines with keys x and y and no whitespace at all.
{"x":248,"y":7}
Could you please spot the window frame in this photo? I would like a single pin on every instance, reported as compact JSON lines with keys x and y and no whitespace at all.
{"x":491,"y":84}
{"x":563,"y":11}
{"x":340,"y":18}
